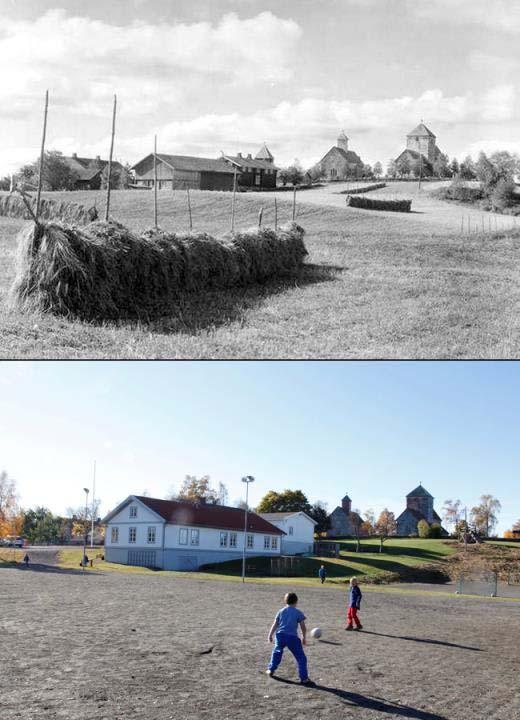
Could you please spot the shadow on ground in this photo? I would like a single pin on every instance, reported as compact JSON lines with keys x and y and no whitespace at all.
{"x":52,"y":569}
{"x":424,"y":640}
{"x":220,"y":307}
{"x":371,"y":703}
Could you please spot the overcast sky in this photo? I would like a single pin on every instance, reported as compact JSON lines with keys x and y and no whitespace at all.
{"x":211,"y":75}
{"x":373,"y":430}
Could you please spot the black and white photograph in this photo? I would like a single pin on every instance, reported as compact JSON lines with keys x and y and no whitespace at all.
{"x":259,"y":359}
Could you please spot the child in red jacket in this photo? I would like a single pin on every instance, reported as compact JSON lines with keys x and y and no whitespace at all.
{"x":354,"y":605}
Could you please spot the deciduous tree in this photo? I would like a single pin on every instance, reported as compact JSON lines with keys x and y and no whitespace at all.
{"x":451,"y":512}
{"x":194,"y":489}
{"x":286,"y":501}
{"x":484,"y":515}
{"x":378,"y":169}
{"x":8,"y":504}
{"x":385,"y":526}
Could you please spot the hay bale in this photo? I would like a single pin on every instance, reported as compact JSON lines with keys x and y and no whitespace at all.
{"x":13,"y":206}
{"x":104,"y":271}
{"x":371,"y":204}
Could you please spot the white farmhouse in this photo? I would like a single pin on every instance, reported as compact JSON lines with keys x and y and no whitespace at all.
{"x":175,"y":535}
{"x":298,"y":528}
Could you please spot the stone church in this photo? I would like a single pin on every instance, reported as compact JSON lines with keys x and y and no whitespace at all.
{"x":343,"y":521}
{"x":419,"y":506}
{"x":421,"y":146}
{"x":339,"y":163}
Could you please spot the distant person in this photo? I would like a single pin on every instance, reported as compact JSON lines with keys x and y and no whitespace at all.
{"x":354,"y":604}
{"x":85,"y":560}
{"x":322,"y":574}
{"x":26,"y":560}
{"x":285,"y":626}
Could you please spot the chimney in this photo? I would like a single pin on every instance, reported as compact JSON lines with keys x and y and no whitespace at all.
{"x":239,"y":155}
{"x":249,"y":156}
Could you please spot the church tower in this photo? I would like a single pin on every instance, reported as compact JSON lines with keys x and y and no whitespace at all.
{"x":342,"y":141}
{"x":422,"y":140}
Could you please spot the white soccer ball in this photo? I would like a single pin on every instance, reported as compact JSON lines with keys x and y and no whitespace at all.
{"x":316,"y":633}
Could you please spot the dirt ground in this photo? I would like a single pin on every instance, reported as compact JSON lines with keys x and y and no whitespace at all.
{"x":95,"y":645}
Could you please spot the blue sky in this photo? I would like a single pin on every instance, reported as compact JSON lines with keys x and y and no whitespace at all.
{"x":372,"y":430}
{"x":211,"y":75}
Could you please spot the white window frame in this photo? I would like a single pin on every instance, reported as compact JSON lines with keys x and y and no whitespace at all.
{"x":151,"y":535}
{"x":183,"y":533}
{"x":195,"y":536}
{"x":223,"y":539}
{"x":132,"y":533}
{"x":267,"y":542}
{"x":133,"y":511}
{"x":114,"y":535}
{"x":291,"y":530}
{"x":274,"y":543}
{"x":233,"y":539}
{"x":250,"y":541}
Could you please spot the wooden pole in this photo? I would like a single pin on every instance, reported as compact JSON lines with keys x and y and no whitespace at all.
{"x":260,"y":217}
{"x":109,"y":177}
{"x":155,"y":181}
{"x":189,"y":207}
{"x":294,"y":204}
{"x":275,"y":214}
{"x":233,"y":199}
{"x":42,"y":155}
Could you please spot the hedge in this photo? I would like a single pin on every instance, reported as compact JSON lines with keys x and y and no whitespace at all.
{"x":371,"y":204}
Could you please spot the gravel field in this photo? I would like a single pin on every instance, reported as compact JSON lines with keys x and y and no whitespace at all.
{"x":95,"y":645}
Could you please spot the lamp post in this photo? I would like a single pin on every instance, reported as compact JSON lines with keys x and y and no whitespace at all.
{"x":86,"y":529}
{"x":248,"y":479}
{"x":93,"y":496}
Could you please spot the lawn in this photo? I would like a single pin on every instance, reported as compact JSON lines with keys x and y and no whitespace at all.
{"x":376,"y":285}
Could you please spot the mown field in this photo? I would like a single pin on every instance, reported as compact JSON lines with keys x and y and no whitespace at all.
{"x":376,"y":285}
{"x":118,"y":646}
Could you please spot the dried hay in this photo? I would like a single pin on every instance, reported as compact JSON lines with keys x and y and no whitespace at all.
{"x":13,"y":206}
{"x":104,"y":271}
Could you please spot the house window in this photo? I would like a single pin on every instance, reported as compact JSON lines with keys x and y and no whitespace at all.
{"x":183,"y":536}
{"x":223,"y":539}
{"x":114,"y":535}
{"x":194,"y":537}
{"x":258,"y":179}
{"x":267,"y":542}
{"x":132,"y":534}
{"x":291,"y":530}
{"x":250,"y":541}
{"x":150,"y":538}
{"x":133,"y":511}
{"x":274,"y":543}
{"x":232,"y":539}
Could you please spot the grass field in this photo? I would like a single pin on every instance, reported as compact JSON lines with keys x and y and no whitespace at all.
{"x":112,"y":646}
{"x":376,"y":285}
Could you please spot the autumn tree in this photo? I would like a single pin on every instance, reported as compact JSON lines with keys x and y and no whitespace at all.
{"x":423,"y":529}
{"x":369,"y":522}
{"x":451,"y":512}
{"x":194,"y":489}
{"x":286,"y":501}
{"x":385,"y":526}
{"x":484,"y":515}
{"x":8,"y":504}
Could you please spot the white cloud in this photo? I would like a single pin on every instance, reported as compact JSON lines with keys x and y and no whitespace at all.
{"x":501,"y":15}
{"x":84,"y":61}
{"x":305,"y":128}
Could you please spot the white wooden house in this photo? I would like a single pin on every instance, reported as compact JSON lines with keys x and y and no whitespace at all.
{"x":298,"y":528}
{"x":174,"y":535}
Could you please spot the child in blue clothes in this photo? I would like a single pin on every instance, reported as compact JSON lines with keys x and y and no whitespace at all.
{"x":285,"y":626}
{"x":354,"y":603}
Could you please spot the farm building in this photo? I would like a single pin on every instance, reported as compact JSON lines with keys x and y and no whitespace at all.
{"x":184,"y":171}
{"x":89,"y":170}
{"x":421,"y":148}
{"x":419,"y":506}
{"x":343,"y":521}
{"x":258,"y":172}
{"x":174,"y":535}
{"x":298,"y":528}
{"x":339,"y":163}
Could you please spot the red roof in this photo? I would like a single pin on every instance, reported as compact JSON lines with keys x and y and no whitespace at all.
{"x":207,"y":515}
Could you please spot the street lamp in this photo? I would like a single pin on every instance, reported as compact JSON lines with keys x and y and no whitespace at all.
{"x":85,"y":528}
{"x":247,"y":479}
